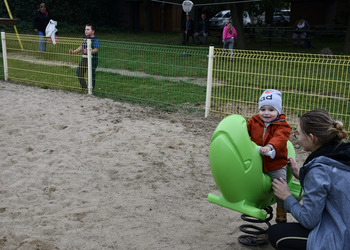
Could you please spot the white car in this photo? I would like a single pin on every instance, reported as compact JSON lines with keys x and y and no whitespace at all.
{"x":220,"y":19}
{"x":281,"y":18}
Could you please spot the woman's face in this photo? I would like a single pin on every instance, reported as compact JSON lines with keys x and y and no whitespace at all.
{"x":305,"y":140}
{"x":43,"y":9}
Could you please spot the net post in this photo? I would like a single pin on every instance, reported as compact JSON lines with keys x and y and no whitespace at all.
{"x":4,"y":54}
{"x":89,"y":55}
{"x":209,"y":80}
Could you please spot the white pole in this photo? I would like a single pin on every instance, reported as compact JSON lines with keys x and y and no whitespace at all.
{"x":4,"y":55}
{"x":209,"y":80}
{"x":89,"y":66}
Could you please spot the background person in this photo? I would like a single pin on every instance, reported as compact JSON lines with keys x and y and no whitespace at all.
{"x":323,"y":216}
{"x":229,"y":35}
{"x":83,"y":64}
{"x":41,"y":19}
{"x":202,"y":29}
{"x":188,"y":29}
{"x":300,"y":30}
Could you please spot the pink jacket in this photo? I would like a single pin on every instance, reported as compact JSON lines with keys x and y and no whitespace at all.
{"x":227,"y":35}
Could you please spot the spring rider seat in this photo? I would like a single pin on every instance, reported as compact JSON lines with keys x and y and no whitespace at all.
{"x":237,"y":169}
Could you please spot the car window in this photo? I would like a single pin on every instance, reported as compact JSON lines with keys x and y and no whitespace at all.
{"x":228,"y":14}
{"x":219,"y":14}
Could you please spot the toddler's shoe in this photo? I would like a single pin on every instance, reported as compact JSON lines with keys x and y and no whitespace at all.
{"x":281,"y":216}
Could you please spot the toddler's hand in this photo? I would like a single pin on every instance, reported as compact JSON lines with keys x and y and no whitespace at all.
{"x":264,"y":150}
{"x":269,"y":152}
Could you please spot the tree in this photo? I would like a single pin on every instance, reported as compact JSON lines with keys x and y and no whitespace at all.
{"x":237,"y":21}
{"x":269,"y":6}
{"x":147,"y":15}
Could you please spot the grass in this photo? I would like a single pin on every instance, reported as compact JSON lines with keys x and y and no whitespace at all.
{"x":305,"y":87}
{"x":335,"y":44}
{"x":20,"y":71}
{"x":149,"y":90}
{"x":110,"y":84}
{"x":132,"y":53}
{"x":159,"y":59}
{"x":130,"y":72}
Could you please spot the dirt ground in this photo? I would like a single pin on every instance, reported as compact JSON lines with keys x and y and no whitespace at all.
{"x":80,"y":172}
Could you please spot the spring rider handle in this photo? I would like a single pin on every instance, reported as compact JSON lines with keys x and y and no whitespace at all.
{"x":237,"y":169}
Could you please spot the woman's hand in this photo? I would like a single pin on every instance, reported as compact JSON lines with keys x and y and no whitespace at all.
{"x":280,"y":189}
{"x":294,"y":167}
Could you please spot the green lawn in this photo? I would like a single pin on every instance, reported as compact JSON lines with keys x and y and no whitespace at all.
{"x":335,"y":44}
{"x":131,"y":52}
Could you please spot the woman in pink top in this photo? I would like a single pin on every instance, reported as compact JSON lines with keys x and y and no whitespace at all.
{"x":229,"y":35}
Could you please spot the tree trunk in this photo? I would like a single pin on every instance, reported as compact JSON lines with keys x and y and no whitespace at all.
{"x":162,"y":18}
{"x":269,"y":9}
{"x":147,"y":8}
{"x":237,"y":21}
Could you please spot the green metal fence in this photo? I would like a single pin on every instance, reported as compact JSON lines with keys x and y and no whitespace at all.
{"x":175,"y":78}
{"x":167,"y":77}
{"x":307,"y":81}
{"x":170,"y":77}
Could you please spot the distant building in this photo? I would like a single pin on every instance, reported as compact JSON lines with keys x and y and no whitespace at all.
{"x":159,"y":17}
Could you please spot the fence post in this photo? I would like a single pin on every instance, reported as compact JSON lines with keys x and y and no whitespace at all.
{"x":209,"y":79}
{"x":4,"y":55}
{"x":89,"y":56}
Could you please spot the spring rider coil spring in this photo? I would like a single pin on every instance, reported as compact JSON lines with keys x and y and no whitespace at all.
{"x":237,"y":170}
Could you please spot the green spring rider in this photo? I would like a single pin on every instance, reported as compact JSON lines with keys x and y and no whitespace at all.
{"x":237,"y":169}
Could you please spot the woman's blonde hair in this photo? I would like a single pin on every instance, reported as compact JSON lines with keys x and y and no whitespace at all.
{"x":42,"y":5}
{"x":321,"y":124}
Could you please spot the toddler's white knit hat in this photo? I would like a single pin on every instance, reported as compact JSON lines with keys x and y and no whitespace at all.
{"x":272,"y":98}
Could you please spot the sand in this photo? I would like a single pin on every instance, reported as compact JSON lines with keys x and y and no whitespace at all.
{"x":80,"y":172}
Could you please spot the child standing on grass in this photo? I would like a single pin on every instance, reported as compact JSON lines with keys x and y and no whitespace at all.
{"x":270,"y":130}
{"x":83,"y":64}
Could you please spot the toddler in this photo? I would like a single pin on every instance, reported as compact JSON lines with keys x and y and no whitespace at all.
{"x":270,"y":130}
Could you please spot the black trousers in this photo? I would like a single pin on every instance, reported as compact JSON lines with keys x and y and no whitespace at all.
{"x":186,"y":37}
{"x":81,"y":70}
{"x":288,"y":236}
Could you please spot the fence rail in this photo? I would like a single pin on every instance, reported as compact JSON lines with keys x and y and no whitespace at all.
{"x":175,"y":78}
{"x":307,"y":81}
{"x":168,"y":77}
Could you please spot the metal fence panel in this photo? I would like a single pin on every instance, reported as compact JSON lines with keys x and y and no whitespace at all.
{"x":174,"y":77}
{"x":307,"y":81}
{"x":168,"y":77}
